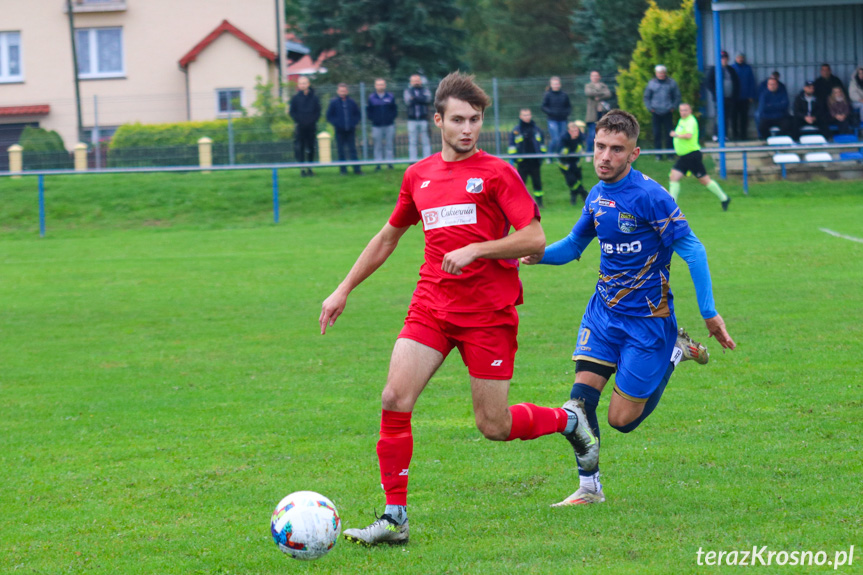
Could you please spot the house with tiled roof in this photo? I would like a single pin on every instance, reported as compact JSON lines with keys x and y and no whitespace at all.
{"x":147,"y":61}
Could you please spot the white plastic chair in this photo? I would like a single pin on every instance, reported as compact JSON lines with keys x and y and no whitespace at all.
{"x":812,"y":140}
{"x":780,"y":141}
{"x":786,"y":158}
{"x":819,"y":157}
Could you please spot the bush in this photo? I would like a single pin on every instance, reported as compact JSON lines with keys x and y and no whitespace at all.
{"x":668,"y":37}
{"x":43,"y":150}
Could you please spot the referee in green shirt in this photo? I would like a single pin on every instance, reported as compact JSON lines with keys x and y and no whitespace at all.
{"x":689,"y":159}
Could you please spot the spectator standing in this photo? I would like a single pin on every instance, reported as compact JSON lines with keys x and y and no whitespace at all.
{"x":661,"y":97}
{"x":557,"y":108}
{"x":571,"y":144}
{"x":598,"y":95}
{"x":825,"y":83}
{"x":855,"y":92}
{"x":730,"y":92}
{"x":839,"y":110}
{"x":773,"y":110}
{"x":382,"y":112}
{"x":527,"y":138}
{"x":305,"y":110}
{"x":809,"y":111}
{"x":417,"y":99}
{"x":745,"y":96}
{"x":344,"y":114}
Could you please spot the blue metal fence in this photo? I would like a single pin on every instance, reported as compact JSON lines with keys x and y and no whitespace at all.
{"x":275,"y":167}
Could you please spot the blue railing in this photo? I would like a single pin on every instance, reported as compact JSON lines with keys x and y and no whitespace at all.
{"x":275,"y":167}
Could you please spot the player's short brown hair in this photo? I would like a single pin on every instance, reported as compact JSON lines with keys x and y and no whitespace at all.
{"x":619,"y":122}
{"x":461,"y":87}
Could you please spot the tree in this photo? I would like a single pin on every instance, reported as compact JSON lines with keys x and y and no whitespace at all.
{"x":356,"y":68}
{"x":667,"y":37}
{"x":606,"y":33}
{"x":518,"y":37}
{"x":408,"y":35}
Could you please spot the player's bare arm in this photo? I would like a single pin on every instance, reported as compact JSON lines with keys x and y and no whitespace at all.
{"x":534,"y":258}
{"x":528,"y":240}
{"x":374,"y":255}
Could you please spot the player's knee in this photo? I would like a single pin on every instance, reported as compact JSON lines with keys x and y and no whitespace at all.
{"x":622,"y":423}
{"x":492,"y":429}
{"x":392,"y":400}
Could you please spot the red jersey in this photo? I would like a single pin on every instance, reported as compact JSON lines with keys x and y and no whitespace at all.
{"x":460,"y":203}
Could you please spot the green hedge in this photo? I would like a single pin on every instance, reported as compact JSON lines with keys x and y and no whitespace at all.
{"x":255,"y":141}
{"x":44,"y":150}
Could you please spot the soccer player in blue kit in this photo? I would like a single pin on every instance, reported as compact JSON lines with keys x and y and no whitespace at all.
{"x":629,"y":324}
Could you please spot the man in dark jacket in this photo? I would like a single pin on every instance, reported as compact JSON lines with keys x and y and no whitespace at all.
{"x":527,"y":138}
{"x":810,"y":111}
{"x":418,"y":98}
{"x":305,"y":109}
{"x":773,"y":110}
{"x":557,"y":108}
{"x":730,"y":92}
{"x":382,"y":111}
{"x":745,"y":96}
{"x":571,"y":144}
{"x":344,"y":114}
{"x":825,"y":83}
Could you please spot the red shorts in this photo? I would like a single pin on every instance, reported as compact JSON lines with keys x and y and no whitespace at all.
{"x":487,"y":340}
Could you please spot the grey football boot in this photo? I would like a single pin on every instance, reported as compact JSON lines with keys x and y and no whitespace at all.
{"x":691,"y":349}
{"x":384,"y":531}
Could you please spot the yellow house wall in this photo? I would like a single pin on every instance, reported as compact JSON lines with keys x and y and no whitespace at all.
{"x":156,"y":34}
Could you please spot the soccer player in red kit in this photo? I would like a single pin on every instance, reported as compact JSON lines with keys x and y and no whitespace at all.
{"x":465,"y":298}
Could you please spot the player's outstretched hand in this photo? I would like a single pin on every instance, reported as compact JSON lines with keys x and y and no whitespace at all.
{"x":532,"y":259}
{"x":454,"y":261}
{"x":331,"y":309}
{"x":716,"y":327}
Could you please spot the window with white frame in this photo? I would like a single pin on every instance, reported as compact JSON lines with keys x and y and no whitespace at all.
{"x":229,"y":100}
{"x":100,"y":52}
{"x":10,"y":57}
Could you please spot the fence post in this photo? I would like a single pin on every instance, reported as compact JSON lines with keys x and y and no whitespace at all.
{"x":275,"y":195}
{"x":745,"y":176}
{"x":42,"y":205}
{"x":496,"y":103}
{"x":325,"y":150}
{"x":16,"y":158}
{"x":205,"y":153}
{"x":364,"y":136}
{"x":80,"y":157}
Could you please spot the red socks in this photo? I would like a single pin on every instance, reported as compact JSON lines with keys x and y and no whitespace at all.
{"x":395,"y":448}
{"x":530,"y":421}
{"x":396,"y":444}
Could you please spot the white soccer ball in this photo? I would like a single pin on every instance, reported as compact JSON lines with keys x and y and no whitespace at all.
{"x":305,"y":525}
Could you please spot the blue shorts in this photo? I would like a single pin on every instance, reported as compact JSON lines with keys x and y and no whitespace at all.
{"x":638,"y":347}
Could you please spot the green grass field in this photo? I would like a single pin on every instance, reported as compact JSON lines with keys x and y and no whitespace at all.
{"x":164,"y":385}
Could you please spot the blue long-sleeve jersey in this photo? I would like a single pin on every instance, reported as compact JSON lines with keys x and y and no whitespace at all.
{"x":638,"y":226}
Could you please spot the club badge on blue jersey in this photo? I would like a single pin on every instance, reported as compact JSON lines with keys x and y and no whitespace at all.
{"x":474,"y":185}
{"x":626,"y":223}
